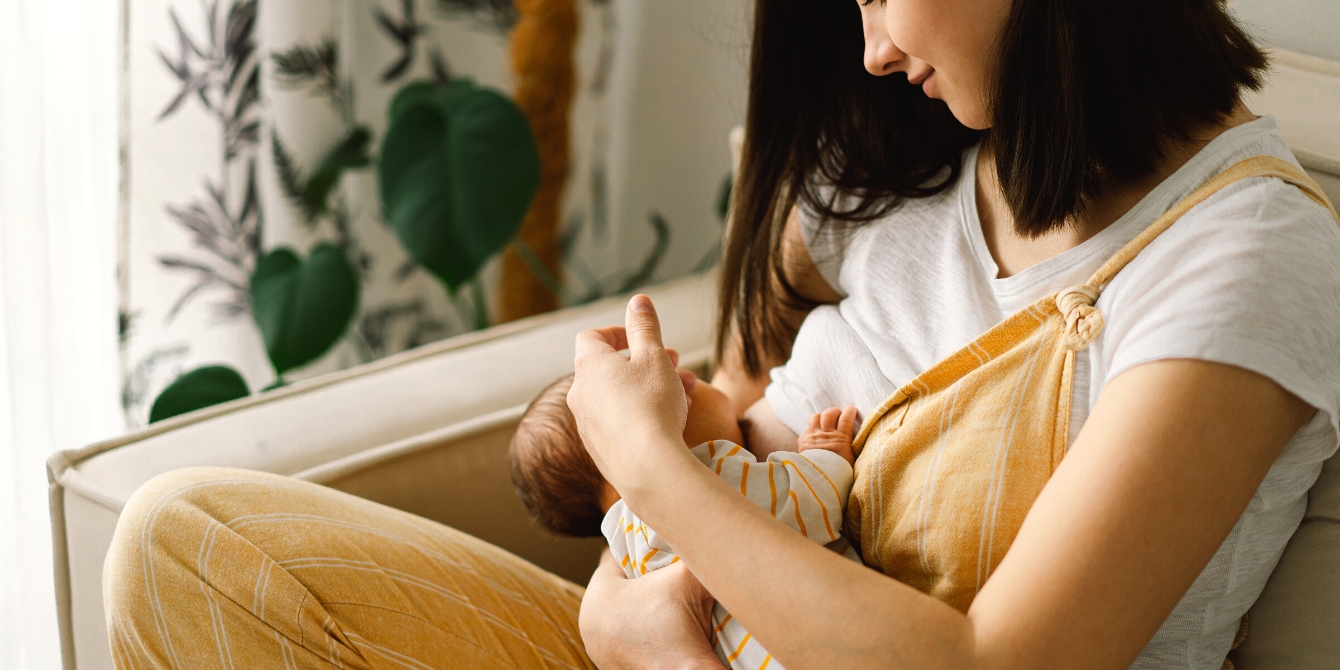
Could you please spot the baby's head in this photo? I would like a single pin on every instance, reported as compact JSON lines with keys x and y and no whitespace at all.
{"x":557,"y":480}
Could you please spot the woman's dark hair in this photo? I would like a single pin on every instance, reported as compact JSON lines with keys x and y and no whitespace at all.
{"x":1086,"y":93}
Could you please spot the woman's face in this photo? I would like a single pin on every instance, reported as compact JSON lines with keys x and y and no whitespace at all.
{"x":945,"y":46}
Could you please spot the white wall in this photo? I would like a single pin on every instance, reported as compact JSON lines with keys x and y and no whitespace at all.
{"x":681,"y":86}
{"x":1311,"y":27}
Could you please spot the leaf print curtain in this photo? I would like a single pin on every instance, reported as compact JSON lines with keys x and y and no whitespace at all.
{"x":255,"y":125}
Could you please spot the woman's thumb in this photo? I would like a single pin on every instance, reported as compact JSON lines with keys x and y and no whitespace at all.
{"x":643,"y":328}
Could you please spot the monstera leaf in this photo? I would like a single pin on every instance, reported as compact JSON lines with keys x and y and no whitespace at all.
{"x":198,"y":388}
{"x":303,"y":309}
{"x":458,"y":170}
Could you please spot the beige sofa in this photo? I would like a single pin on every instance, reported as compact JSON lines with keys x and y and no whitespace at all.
{"x":427,"y":431}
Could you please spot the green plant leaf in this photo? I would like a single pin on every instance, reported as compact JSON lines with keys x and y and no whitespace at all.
{"x":197,"y":389}
{"x":459,"y":169}
{"x":443,"y":96}
{"x":303,"y":309}
{"x":350,"y":154}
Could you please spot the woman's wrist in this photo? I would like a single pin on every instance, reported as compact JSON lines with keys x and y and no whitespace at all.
{"x":660,"y":458}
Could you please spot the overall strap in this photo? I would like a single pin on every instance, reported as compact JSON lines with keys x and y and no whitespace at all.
{"x":1258,"y":166}
{"x":1084,"y":322}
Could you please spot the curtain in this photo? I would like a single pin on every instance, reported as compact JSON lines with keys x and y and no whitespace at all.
{"x":232,"y":106}
{"x":233,"y":103}
{"x":58,"y":291}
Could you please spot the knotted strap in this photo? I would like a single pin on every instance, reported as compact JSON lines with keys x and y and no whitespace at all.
{"x":1083,"y":321}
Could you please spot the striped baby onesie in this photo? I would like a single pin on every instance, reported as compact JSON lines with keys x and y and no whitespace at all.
{"x":807,"y":492}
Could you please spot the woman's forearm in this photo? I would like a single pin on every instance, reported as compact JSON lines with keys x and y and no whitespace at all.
{"x":794,"y":596}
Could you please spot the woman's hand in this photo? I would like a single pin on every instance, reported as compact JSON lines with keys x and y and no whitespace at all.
{"x":630,"y":410}
{"x":660,"y":620}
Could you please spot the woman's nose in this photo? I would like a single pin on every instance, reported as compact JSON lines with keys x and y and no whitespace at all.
{"x":881,"y":55}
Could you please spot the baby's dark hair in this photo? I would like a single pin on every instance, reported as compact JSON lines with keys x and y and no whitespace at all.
{"x":554,"y":476}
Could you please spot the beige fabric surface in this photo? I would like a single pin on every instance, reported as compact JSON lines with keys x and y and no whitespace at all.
{"x":1295,"y":624}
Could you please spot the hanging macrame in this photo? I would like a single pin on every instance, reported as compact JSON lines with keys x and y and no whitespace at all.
{"x":542,"y":47}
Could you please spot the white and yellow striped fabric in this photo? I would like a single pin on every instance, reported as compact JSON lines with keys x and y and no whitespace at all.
{"x":805,"y":491}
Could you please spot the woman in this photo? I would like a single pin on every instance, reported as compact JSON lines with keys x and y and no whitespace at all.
{"x":1153,"y":536}
{"x":1004,"y":152}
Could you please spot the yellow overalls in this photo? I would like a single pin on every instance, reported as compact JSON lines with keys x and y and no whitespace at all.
{"x":950,"y":464}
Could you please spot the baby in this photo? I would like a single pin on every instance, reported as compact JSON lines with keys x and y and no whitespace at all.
{"x":566,"y":494}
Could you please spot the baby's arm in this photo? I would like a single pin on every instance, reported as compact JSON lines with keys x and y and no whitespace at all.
{"x":806,"y":491}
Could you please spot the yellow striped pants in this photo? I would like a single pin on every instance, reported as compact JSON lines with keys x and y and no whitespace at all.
{"x":220,"y":568}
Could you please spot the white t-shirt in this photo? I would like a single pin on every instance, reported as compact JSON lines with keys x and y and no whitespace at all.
{"x":1250,"y":277}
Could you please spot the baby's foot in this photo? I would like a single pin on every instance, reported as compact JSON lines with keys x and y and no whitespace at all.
{"x":831,"y":430}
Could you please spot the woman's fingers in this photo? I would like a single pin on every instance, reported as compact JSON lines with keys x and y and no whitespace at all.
{"x":627,"y":406}
{"x":597,"y":341}
{"x":617,"y":338}
{"x":664,"y":615}
{"x":643,"y":329}
{"x":688,"y":379}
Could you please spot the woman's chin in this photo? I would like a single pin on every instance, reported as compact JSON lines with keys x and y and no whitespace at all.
{"x":972,"y":118}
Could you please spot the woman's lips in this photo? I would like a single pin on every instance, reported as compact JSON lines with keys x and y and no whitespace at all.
{"x":928,"y":84}
{"x":920,"y":77}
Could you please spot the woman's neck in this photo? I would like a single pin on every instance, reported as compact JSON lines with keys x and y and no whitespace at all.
{"x":1015,"y":253}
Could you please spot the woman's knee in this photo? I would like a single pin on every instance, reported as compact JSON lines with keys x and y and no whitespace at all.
{"x":156,"y":521}
{"x":152,"y":562}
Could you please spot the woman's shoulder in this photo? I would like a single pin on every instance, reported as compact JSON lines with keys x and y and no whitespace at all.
{"x":1256,"y":225}
{"x":1250,"y":278}
{"x":1250,"y":227}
